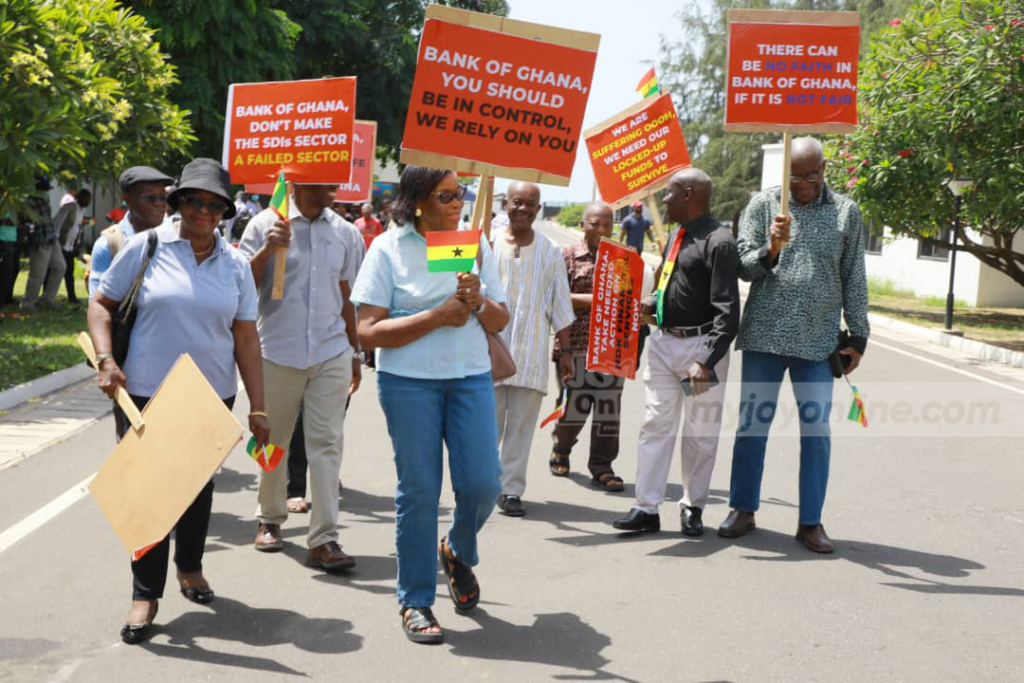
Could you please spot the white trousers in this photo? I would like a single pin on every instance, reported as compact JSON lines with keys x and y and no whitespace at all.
{"x":320,"y":391}
{"x":668,"y":359}
{"x":518,"y":411}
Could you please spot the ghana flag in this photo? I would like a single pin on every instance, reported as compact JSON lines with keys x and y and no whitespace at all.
{"x":648,"y":84}
{"x":279,"y":200}
{"x":452,"y":251}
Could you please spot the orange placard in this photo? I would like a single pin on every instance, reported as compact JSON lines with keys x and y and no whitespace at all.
{"x":615,"y":314}
{"x":498,"y":97}
{"x":637,"y":151}
{"x":359,"y":188}
{"x":798,"y":77}
{"x":304,"y":127}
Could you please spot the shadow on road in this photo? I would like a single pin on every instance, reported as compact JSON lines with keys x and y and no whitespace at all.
{"x":231,"y":620}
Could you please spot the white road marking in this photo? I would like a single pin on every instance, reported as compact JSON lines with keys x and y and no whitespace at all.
{"x":44,"y":514}
{"x":918,"y":356}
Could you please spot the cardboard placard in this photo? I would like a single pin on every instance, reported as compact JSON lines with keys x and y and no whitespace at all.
{"x":495,"y":96}
{"x":635,"y":152}
{"x":792,"y":71}
{"x":359,"y":187}
{"x":303,"y":127}
{"x":154,"y":475}
{"x":615,"y":312}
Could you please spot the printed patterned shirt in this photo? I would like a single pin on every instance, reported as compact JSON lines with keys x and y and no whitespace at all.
{"x":538,"y":301}
{"x":795,"y":302}
{"x":579,"y":264}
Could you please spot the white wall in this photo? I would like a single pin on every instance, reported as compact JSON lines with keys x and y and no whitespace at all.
{"x":976,"y":284}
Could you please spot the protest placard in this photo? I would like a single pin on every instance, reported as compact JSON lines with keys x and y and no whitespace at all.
{"x":154,"y":474}
{"x":303,"y":127}
{"x":359,"y":187}
{"x":495,"y":96}
{"x":615,"y":312}
{"x":635,"y":152}
{"x":792,"y":71}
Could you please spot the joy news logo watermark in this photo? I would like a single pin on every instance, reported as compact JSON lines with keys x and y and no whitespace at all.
{"x":892,"y":410}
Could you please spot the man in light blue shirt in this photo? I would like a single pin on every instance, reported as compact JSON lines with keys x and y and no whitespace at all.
{"x":311,"y":357}
{"x":143,"y":190}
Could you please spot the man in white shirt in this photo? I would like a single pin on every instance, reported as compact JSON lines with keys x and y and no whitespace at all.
{"x":537,"y":288}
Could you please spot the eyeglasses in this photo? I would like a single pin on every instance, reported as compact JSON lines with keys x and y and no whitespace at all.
{"x":518,"y":203}
{"x":809,"y":178}
{"x":153,"y":198}
{"x":447,"y":197}
{"x":213,"y":206}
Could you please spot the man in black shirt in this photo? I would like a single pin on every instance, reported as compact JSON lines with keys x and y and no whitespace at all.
{"x":697,"y":316}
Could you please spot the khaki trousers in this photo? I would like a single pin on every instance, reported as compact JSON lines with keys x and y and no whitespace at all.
{"x":321,"y":391}
{"x":518,"y":410}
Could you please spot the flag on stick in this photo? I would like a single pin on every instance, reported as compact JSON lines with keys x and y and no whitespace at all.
{"x":279,"y":204}
{"x":648,"y":85}
{"x":452,"y":250}
{"x":268,"y":457}
{"x":857,"y":413}
{"x":558,"y":411}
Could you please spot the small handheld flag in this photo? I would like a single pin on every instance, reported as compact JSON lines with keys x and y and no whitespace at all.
{"x":452,"y":251}
{"x":268,"y":457}
{"x":558,"y":411}
{"x":648,"y":85}
{"x":857,"y":413}
{"x":279,"y":200}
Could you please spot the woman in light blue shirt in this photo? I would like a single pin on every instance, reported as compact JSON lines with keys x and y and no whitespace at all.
{"x":434,"y":383}
{"x":197,"y":297}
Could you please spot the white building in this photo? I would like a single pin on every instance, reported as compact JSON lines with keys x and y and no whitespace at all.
{"x":909,"y":265}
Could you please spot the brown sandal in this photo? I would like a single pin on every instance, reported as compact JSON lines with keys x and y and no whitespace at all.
{"x":559,"y":464}
{"x":608,"y":481}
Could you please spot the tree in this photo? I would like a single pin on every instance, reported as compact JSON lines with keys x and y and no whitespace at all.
{"x":942,"y":96}
{"x":81,"y":84}
{"x":693,"y":70}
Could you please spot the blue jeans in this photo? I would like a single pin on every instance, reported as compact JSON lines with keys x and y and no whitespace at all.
{"x":759,"y":391}
{"x":421,"y":413}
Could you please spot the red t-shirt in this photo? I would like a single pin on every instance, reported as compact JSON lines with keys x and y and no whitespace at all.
{"x":369,"y":228}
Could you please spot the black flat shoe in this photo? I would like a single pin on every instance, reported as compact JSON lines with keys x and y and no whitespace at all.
{"x":638,"y":521}
{"x":201,"y":596}
{"x":690,"y":521}
{"x":133,"y":634}
{"x":511,"y":506}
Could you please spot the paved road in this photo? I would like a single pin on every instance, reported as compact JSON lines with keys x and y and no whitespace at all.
{"x":927,"y":582}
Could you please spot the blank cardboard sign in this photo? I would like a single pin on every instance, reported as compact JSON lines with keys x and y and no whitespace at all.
{"x":155,"y":473}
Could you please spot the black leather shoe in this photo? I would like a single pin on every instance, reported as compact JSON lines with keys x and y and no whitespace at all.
{"x":690,"y":521}
{"x":638,"y":521}
{"x":736,"y":524}
{"x":511,"y":506}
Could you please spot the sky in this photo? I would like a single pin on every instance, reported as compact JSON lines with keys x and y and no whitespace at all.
{"x":630,"y":41}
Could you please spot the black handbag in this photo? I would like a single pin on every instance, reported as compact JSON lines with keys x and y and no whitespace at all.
{"x":123,"y":319}
{"x":838,"y":362}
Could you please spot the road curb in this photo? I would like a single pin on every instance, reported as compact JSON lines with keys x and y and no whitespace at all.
{"x":969,"y":347}
{"x":47,"y":384}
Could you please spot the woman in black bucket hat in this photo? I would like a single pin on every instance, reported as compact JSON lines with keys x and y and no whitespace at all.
{"x":197,"y":296}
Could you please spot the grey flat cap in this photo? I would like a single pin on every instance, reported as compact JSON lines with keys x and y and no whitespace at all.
{"x":142,"y":174}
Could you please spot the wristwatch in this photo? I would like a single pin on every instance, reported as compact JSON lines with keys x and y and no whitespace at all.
{"x":359,"y":356}
{"x":483,"y":305}
{"x":100,"y":357}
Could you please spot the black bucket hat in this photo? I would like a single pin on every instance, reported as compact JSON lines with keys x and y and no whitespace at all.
{"x":204,"y":174}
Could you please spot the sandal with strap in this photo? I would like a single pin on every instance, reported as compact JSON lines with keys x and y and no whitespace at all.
{"x":608,"y":481}
{"x":559,"y":464}
{"x":462,"y":584}
{"x":416,"y":621}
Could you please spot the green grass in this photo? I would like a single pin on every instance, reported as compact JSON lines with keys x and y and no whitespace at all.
{"x":42,"y":341}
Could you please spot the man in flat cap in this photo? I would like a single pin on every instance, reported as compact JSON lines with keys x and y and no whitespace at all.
{"x":143,"y":190}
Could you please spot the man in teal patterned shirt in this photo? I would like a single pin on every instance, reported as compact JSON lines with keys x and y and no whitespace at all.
{"x":806,"y":270}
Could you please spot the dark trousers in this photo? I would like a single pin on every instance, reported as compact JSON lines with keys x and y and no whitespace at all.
{"x":149,"y":574}
{"x":69,"y":276}
{"x":600,"y":397}
{"x":297,"y":461}
{"x":8,"y":271}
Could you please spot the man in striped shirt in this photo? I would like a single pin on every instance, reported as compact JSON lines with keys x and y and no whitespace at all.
{"x":537,"y":288}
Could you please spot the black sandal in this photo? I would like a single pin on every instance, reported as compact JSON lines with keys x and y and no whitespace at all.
{"x":559,"y":465}
{"x":416,"y":621}
{"x":608,"y":481}
{"x":201,"y":596}
{"x":462,"y":584}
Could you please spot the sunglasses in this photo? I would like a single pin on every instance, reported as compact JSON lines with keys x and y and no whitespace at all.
{"x":153,"y":198}
{"x":213,"y":206}
{"x":447,"y":197}
{"x":810,"y":178}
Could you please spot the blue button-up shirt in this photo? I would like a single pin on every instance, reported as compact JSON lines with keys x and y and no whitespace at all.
{"x":395,"y":277}
{"x":305,"y":326}
{"x":101,"y":258}
{"x":183,"y":307}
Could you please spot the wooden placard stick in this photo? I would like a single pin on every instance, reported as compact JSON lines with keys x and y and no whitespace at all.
{"x":481,"y":208}
{"x":786,"y":140}
{"x":659,"y":227}
{"x":122,"y":397}
{"x":280,"y":254}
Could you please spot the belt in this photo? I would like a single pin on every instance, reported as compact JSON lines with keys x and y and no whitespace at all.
{"x":684,"y":332}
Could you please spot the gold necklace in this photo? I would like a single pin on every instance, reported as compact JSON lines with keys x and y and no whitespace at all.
{"x":205,"y":252}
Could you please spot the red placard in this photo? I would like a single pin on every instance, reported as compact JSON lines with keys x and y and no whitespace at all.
{"x":615,"y":313}
{"x":637,"y":151}
{"x":485,"y":95}
{"x":304,"y":127}
{"x":359,"y":188}
{"x":792,"y":76}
